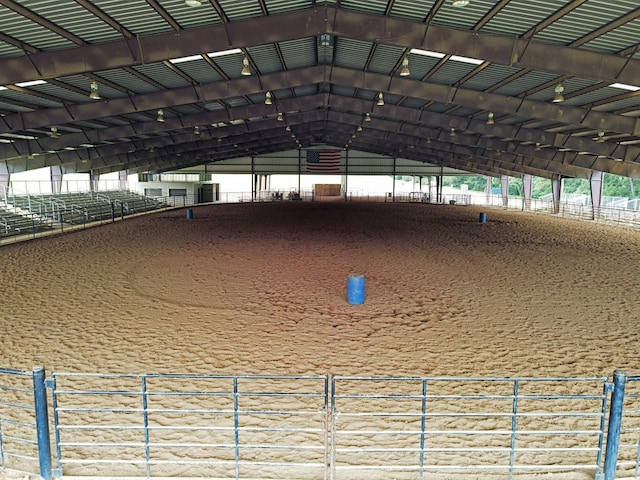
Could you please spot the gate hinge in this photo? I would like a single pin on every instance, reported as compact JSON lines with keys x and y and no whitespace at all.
{"x":48,"y":383}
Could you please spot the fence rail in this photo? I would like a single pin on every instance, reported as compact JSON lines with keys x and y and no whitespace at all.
{"x":18,"y":429}
{"x":318,"y":427}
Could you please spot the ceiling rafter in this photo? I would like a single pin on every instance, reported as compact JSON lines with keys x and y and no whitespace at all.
{"x":304,"y":23}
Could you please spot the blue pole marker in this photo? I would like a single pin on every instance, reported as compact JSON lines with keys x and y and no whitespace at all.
{"x":42,"y":423}
{"x":189,"y":214}
{"x":483,"y":217}
{"x":355,"y":289}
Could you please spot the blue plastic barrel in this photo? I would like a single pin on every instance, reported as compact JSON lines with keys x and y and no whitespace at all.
{"x":189,"y":213}
{"x":355,"y":289}
{"x":483,"y":217}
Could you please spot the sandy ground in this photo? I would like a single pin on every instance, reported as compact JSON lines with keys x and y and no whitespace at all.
{"x":260,"y":289}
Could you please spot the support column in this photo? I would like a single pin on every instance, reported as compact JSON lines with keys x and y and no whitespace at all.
{"x":94,"y":181}
{"x":5,"y":177}
{"x":56,"y":179}
{"x":122,"y":180}
{"x":504,"y":190}
{"x":527,"y":184}
{"x":597,"y":185}
{"x":556,"y":188}
{"x":393,"y":193}
{"x":487,"y":190}
{"x":299,"y":169}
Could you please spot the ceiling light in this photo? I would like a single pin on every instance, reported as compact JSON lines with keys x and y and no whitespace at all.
{"x":624,"y":86}
{"x":31,"y":83}
{"x":280,"y":117}
{"x":160,"y":117}
{"x":367,"y":117}
{"x":600,"y":138}
{"x":54,"y":132}
{"x":490,"y":120}
{"x":245,"y":66}
{"x":427,"y":53}
{"x":404,"y":72}
{"x":223,"y":53}
{"x":359,"y":129}
{"x":94,"y":91}
{"x":558,"y":94}
{"x":452,"y":132}
{"x":196,"y":130}
{"x":380,"y":99}
{"x":538,"y":147}
{"x":193,"y":3}
{"x":288,"y":129}
{"x":267,"y":99}
{"x":190,"y":58}
{"x":460,"y":3}
{"x":472,"y":61}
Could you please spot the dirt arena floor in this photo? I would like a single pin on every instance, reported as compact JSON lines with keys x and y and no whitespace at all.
{"x":261,"y":289}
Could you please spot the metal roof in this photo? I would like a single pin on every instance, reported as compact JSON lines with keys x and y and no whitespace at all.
{"x":324,"y":64}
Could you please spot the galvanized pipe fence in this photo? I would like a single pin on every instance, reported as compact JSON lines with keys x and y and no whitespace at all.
{"x":318,"y":427}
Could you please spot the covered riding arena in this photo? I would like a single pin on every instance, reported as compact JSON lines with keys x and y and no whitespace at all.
{"x":218,"y":342}
{"x":258,"y":289}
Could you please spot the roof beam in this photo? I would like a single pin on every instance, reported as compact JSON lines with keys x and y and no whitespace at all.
{"x":312,"y":22}
{"x":563,"y":114}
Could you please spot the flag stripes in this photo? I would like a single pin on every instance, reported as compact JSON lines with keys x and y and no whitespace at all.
{"x":323,"y":161}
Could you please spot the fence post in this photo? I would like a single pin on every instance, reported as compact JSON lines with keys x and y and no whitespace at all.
{"x":42,"y":423}
{"x":615,"y":421}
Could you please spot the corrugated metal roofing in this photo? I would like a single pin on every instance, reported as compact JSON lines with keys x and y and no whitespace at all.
{"x":411,"y":9}
{"x":363,"y":57}
{"x":518,"y":16}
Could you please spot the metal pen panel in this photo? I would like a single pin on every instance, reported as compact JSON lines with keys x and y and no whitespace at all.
{"x":406,"y":426}
{"x":212,"y":426}
{"x":18,"y":431}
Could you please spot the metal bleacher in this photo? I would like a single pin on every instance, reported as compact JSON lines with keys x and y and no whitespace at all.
{"x":12,"y":224}
{"x":26,"y":214}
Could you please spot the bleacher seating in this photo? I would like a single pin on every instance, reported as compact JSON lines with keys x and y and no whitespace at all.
{"x":30,"y":214}
{"x":12,"y":224}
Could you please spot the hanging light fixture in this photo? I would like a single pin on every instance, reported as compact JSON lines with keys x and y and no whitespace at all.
{"x":490,"y":120}
{"x":359,"y":129}
{"x":54,"y":132}
{"x":538,"y":147}
{"x":404,"y":71}
{"x":245,"y":66}
{"x":160,"y":117}
{"x":196,"y":130}
{"x":94,"y":91}
{"x":280,"y":117}
{"x":288,"y":129}
{"x":193,"y":3}
{"x":452,"y":132}
{"x":600,"y":138}
{"x":460,"y":3}
{"x":380,"y":99}
{"x":367,"y":117}
{"x":558,"y":94}
{"x":267,"y":99}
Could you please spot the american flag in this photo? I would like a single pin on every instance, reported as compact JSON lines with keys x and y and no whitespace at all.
{"x":323,"y":161}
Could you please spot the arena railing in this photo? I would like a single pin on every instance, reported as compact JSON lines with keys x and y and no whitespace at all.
{"x":24,"y":427}
{"x":266,"y":427}
{"x":214,"y":426}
